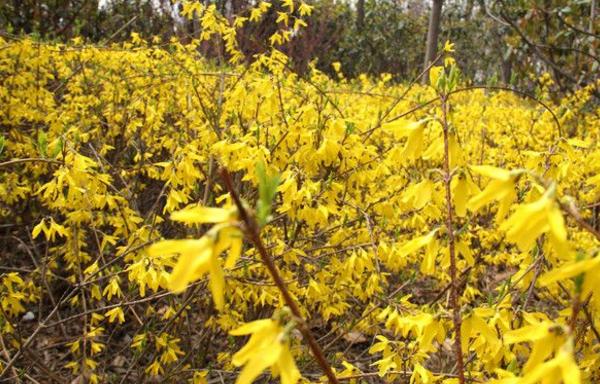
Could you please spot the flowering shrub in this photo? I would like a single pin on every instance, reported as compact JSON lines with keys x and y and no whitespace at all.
{"x":434,"y":233}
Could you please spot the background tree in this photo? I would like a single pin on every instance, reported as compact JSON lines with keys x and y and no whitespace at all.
{"x":553,"y":36}
{"x":433,"y":32}
{"x":507,"y":41}
{"x":90,"y":19}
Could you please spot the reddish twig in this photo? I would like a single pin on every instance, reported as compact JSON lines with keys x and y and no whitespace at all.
{"x":574,"y":214}
{"x":253,"y":234}
{"x":456,"y":317}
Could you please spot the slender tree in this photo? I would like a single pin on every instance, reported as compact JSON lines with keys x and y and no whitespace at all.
{"x":432,"y":34}
{"x":360,"y":15}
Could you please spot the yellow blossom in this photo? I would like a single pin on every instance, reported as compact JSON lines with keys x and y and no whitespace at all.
{"x":200,"y":256}
{"x":500,"y":188}
{"x":529,"y":221}
{"x":413,"y":131}
{"x":267,"y":347}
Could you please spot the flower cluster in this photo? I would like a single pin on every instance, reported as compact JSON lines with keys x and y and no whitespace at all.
{"x":407,"y":222}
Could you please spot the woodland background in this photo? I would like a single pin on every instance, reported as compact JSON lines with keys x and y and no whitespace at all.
{"x":501,"y":41}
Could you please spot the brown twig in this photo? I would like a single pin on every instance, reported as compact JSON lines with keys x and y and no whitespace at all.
{"x":357,"y":321}
{"x":454,"y":291}
{"x":574,"y":214}
{"x":253,"y":234}
{"x":403,"y":373}
{"x":33,"y":335}
{"x":7,"y":356}
{"x":29,"y":160}
{"x":590,"y":320}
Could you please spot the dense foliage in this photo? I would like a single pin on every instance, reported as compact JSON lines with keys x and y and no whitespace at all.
{"x":433,"y":233}
{"x":504,"y":41}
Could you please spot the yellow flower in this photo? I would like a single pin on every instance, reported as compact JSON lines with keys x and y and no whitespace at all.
{"x":562,"y":366}
{"x":569,"y":270}
{"x":201,"y":215}
{"x":529,"y":221}
{"x":413,"y":130}
{"x":500,"y":188}
{"x":462,"y":187}
{"x":267,"y":347}
{"x":305,"y":9}
{"x":200,"y":256}
{"x":416,"y":196}
{"x":194,"y":257}
{"x":434,"y":75}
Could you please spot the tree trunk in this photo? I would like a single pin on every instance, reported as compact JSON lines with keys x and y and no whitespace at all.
{"x":506,"y":70}
{"x":469,"y":9}
{"x":592,"y":16}
{"x":360,"y":15}
{"x":591,"y":28}
{"x":432,"y":35}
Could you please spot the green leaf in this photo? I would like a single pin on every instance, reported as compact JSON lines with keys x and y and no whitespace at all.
{"x":350,"y":127}
{"x":2,"y":142}
{"x":42,"y":143}
{"x":57,"y":148}
{"x":267,"y":189}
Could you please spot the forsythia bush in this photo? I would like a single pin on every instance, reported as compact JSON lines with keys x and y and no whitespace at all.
{"x":428,"y":234}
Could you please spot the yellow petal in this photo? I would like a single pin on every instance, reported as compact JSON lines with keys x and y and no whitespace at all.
{"x":170,"y":247}
{"x":466,"y":329}
{"x":287,"y":367}
{"x":222,"y":240}
{"x":251,"y":327}
{"x":191,"y":264}
{"x":414,"y":145}
{"x":460,"y":196}
{"x":428,"y":263}
{"x":199,"y":215}
{"x":252,"y":347}
{"x":464,"y":249}
{"x":568,"y":367}
{"x":258,"y":363}
{"x":434,"y":75}
{"x":527,"y":333}
{"x":38,"y":228}
{"x":495,"y":190}
{"x":545,"y":370}
{"x":424,"y":375}
{"x":524,"y":234}
{"x":539,"y":352}
{"x":527,"y":223}
{"x":418,"y":195}
{"x":455,"y":152}
{"x":422,"y":193}
{"x":558,"y":232}
{"x":417,"y":243}
{"x":234,"y":252}
{"x":403,"y":128}
{"x":568,"y":270}
{"x":217,"y":281}
{"x":505,"y":203}
{"x":491,"y":172}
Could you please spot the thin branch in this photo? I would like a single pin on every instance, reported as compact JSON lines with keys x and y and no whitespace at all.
{"x":253,"y":234}
{"x":454,"y":291}
{"x":470,"y":88}
{"x":29,"y":160}
{"x":574,"y":214}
